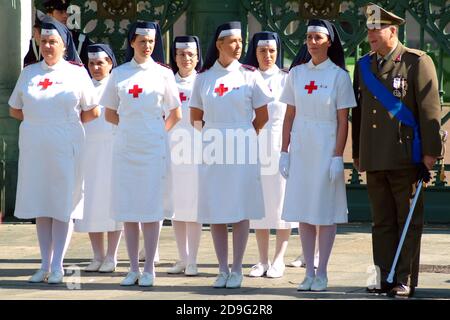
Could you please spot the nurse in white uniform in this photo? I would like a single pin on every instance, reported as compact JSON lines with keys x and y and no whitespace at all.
{"x":230,"y":99}
{"x":264,"y":53}
{"x":97,"y":171}
{"x":318,"y":94}
{"x":52,"y":97}
{"x":186,"y":60}
{"x":135,"y":97}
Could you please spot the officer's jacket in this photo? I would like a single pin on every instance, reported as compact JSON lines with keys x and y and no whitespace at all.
{"x":380,"y":141}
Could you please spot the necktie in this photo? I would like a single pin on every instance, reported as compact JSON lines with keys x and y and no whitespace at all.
{"x":380,"y":63}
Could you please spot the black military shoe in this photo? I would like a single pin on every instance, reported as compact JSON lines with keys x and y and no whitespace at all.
{"x":402,"y":291}
{"x":385,"y":287}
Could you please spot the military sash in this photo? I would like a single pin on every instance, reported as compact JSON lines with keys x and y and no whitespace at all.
{"x":393,"y":105}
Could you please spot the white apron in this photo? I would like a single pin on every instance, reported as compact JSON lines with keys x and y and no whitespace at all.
{"x":269,"y":140}
{"x":97,"y":166}
{"x":229,"y":184}
{"x":184,"y":170}
{"x":140,"y":168}
{"x":317,"y":92}
{"x":51,"y":139}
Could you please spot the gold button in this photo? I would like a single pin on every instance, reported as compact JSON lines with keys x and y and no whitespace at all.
{"x":374,"y":111}
{"x":374,"y":126}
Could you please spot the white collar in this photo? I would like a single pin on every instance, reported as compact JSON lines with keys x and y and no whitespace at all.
{"x":235,"y":65}
{"x":271,"y":71}
{"x":56,"y":66}
{"x":189,"y":78}
{"x":146,"y":65}
{"x":100,"y":82}
{"x":320,"y":66}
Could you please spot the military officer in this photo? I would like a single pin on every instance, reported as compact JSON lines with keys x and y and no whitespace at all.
{"x":58,"y":10}
{"x":395,"y":139}
{"x":34,"y":53}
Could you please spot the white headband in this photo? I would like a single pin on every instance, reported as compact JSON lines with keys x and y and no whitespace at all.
{"x":97,"y":55}
{"x":318,"y":29}
{"x":145,"y":31}
{"x":185,"y":45}
{"x":229,"y":32}
{"x":49,"y":32}
{"x":263,"y":43}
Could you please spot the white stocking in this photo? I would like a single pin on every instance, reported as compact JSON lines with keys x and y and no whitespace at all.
{"x":240,"y":237}
{"x":326,"y":240}
{"x":308,"y":237}
{"x":151,"y":237}
{"x":179,"y":228}
{"x":44,"y":233}
{"x":194,"y":233}
{"x":131,"y":230}
{"x":113,"y":244}
{"x":97,"y":245}
{"x":61,"y":234}
{"x":219,"y":233}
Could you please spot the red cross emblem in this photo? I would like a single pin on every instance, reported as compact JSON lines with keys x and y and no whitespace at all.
{"x":182,"y":97}
{"x":135,"y":91}
{"x":45,"y":84}
{"x":220,"y":90}
{"x":311,"y":87}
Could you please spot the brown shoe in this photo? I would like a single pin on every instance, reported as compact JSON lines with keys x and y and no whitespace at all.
{"x":401,"y":291}
{"x":385,"y":287}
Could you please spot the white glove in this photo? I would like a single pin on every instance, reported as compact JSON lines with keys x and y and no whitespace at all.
{"x":336,"y":168}
{"x":283,"y":165}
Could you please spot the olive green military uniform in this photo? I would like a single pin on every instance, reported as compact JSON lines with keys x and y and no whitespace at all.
{"x":383,"y":146}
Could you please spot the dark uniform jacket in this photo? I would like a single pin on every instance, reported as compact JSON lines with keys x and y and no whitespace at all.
{"x":84,"y":52}
{"x":30,"y":57}
{"x":380,"y":141}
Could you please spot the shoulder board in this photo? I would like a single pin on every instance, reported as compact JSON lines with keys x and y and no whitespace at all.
{"x":164,"y":65}
{"x":76,"y":63}
{"x":285,"y":70}
{"x":246,"y":66}
{"x":415,"y":52}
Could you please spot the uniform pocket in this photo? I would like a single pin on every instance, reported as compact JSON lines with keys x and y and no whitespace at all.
{"x":405,"y":144}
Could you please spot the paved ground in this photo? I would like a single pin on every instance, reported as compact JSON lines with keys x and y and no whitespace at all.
{"x":349,"y":270}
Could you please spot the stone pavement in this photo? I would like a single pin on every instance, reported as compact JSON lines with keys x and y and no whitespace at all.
{"x":349,"y":269}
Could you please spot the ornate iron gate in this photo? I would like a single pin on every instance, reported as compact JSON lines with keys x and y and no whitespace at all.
{"x":107,"y":21}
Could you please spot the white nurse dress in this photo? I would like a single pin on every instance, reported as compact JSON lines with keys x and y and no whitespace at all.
{"x":229,"y":177}
{"x":317,"y":92}
{"x":140,"y":168}
{"x":51,"y":139}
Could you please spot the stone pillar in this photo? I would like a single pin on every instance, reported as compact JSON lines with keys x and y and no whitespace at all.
{"x":15,"y":32}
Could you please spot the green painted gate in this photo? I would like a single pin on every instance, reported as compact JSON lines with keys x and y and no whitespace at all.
{"x":107,"y":21}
